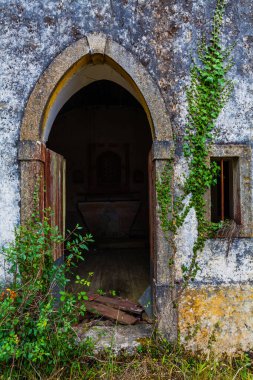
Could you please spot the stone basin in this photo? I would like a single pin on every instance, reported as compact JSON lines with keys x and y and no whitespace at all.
{"x":109,"y":219}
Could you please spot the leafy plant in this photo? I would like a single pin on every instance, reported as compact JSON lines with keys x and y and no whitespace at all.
{"x":207,"y":94}
{"x":37,"y":314}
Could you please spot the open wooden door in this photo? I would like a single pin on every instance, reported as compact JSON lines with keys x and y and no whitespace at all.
{"x":55,"y":169}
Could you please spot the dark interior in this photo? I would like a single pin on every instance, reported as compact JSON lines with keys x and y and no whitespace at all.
{"x":216,"y":194}
{"x":104,"y":135}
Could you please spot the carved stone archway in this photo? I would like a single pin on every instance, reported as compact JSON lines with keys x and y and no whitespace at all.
{"x":66,"y":75}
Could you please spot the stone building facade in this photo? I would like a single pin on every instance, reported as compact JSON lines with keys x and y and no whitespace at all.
{"x":53,"y":49}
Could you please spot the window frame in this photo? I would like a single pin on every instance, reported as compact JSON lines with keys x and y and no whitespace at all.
{"x":242,"y":194}
{"x":234,"y":188}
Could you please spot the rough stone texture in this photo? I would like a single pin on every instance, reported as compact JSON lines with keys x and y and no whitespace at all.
{"x":161,"y":35}
{"x":115,"y":338}
{"x":32,"y":156}
{"x":61,"y":75}
{"x":219,"y":266}
{"x":217,"y":318}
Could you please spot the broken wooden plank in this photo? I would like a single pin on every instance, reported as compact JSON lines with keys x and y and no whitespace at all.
{"x":117,"y":303}
{"x":110,"y":313}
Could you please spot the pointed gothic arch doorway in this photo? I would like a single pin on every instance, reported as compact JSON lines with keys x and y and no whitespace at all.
{"x":97,"y":57}
{"x":103,"y":134}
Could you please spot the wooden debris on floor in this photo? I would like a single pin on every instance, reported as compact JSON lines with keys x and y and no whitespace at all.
{"x":115,"y":309}
{"x":110,"y":313}
{"x":117,"y":303}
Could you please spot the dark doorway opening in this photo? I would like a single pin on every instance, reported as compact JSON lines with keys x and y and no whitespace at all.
{"x":104,"y":135}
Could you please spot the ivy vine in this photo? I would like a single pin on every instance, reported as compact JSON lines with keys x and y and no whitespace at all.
{"x":207,"y":94}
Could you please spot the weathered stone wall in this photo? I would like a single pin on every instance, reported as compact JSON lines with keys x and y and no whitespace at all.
{"x":162,"y":35}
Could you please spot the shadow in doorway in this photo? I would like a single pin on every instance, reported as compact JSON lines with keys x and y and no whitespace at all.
{"x":104,"y":135}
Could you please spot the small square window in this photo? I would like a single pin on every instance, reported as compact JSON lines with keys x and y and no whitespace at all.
{"x":225,"y":194}
{"x":231,"y":197}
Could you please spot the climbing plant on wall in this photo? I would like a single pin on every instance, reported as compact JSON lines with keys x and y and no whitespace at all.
{"x":207,"y":94}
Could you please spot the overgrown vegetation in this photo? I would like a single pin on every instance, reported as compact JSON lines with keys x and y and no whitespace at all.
{"x":155,"y":359}
{"x":37,"y":339}
{"x":207,"y":94}
{"x":36,"y":326}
